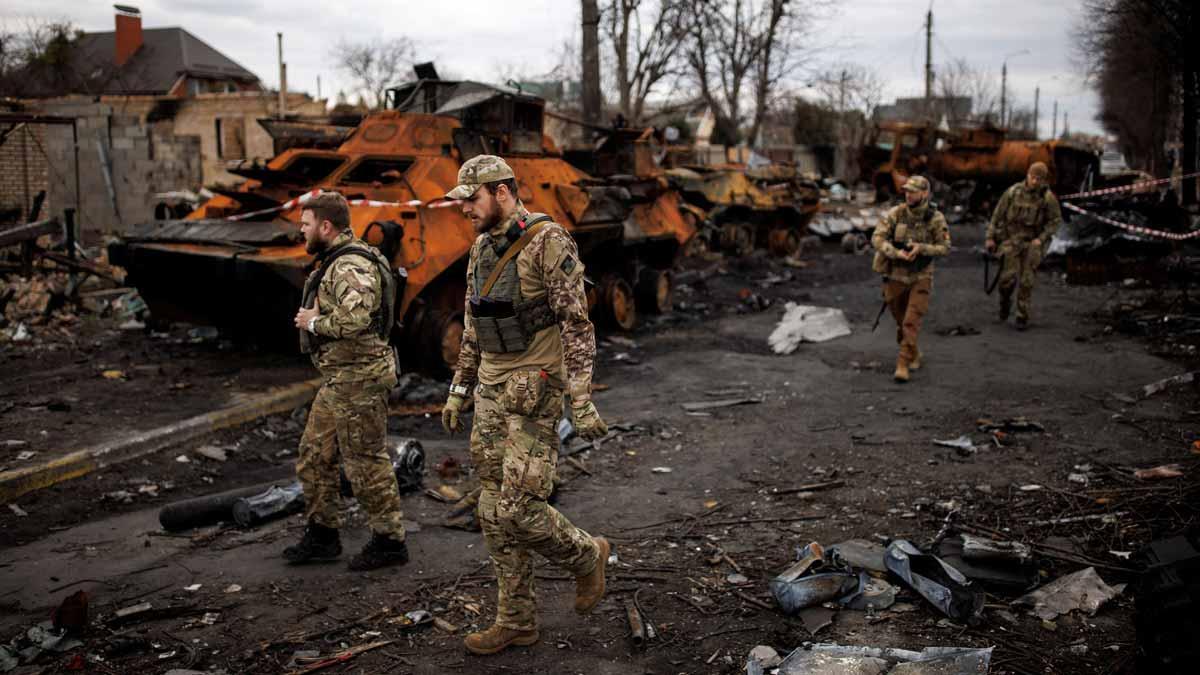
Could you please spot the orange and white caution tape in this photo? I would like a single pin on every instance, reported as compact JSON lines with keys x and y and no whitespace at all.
{"x":1137,"y":229}
{"x":1132,"y":187}
{"x":304,"y":198}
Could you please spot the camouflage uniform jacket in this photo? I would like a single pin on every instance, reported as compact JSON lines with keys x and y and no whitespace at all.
{"x":548,"y":267}
{"x":902,"y":225}
{"x":1025,"y":214}
{"x":349,"y":348}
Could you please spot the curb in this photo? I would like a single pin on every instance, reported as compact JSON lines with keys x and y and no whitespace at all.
{"x":78,"y":463}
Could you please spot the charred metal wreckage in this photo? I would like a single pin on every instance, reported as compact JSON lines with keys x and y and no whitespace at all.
{"x":238,"y":261}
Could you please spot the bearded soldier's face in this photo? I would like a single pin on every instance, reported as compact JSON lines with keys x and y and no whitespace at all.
{"x":315,"y":232}
{"x":482,"y":209}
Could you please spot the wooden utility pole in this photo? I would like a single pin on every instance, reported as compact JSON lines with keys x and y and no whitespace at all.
{"x":929,"y":64}
{"x":1054,"y":121}
{"x":282,"y":112}
{"x":591,"y":62}
{"x":1037,"y":94}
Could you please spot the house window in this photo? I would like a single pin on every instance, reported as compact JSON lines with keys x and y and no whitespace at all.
{"x":230,"y":141}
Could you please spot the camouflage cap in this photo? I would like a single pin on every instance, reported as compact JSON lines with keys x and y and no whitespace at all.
{"x":477,"y":171}
{"x":916,"y":184}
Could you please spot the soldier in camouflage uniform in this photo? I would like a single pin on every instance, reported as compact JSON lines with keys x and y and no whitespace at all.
{"x":340,"y":328}
{"x":527,"y":339}
{"x":906,"y":241}
{"x":1025,"y":219}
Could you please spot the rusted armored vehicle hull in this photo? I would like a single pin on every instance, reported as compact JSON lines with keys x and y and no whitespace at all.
{"x":769,"y":207}
{"x":238,"y":262}
{"x":980,"y":163}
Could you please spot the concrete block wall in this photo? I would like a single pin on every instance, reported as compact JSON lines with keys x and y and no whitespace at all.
{"x":145,"y":158}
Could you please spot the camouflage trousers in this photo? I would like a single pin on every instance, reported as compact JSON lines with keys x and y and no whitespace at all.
{"x":1020,"y":265}
{"x":514,"y":445}
{"x":908,"y":303}
{"x":347,"y":426}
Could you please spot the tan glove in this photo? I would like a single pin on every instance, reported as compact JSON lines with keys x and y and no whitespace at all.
{"x":588,"y":424}
{"x":450,"y":421}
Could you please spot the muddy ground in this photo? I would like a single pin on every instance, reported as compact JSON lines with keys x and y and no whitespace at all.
{"x":829,"y":412}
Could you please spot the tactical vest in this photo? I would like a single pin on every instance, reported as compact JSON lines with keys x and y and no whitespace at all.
{"x":505,"y":321}
{"x":1023,"y":217}
{"x":900,"y":236}
{"x":391,"y":284}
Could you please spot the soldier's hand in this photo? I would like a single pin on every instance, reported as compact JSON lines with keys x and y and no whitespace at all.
{"x":990,"y":245}
{"x":1036,"y":243}
{"x":303,"y":316}
{"x":588,"y":424}
{"x":450,"y":421}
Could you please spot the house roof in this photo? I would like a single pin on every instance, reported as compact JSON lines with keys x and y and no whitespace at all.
{"x":165,"y":55}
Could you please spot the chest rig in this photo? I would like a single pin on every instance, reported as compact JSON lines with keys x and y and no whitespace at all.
{"x":909,"y":228}
{"x":505,"y":321}
{"x":1024,"y":214}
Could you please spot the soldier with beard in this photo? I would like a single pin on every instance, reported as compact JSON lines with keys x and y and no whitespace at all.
{"x":342,"y":329}
{"x":527,"y":341}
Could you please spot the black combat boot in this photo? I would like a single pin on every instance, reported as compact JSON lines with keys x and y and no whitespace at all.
{"x":380,"y":551}
{"x":319,"y":543}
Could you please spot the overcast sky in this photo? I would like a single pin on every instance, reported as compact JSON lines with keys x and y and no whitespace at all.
{"x":480,"y":39}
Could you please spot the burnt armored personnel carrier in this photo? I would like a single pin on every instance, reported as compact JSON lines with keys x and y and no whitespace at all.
{"x":238,"y":261}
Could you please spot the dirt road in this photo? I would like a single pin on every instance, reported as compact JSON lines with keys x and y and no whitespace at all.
{"x":829,"y":411}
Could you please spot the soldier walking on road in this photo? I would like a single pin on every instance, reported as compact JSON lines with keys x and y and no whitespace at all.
{"x":344,"y":321}
{"x":906,"y":241}
{"x":1025,"y":219}
{"x":527,"y":338}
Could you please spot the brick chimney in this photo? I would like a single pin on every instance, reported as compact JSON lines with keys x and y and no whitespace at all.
{"x":129,"y":33}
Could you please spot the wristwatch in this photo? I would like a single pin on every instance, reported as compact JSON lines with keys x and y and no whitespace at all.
{"x":458,"y":390}
{"x":312,"y":325}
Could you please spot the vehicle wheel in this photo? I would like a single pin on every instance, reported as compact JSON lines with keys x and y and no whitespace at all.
{"x":443,"y":336}
{"x":784,"y":241}
{"x":654,"y":291}
{"x":619,"y":304}
{"x":737,"y":238}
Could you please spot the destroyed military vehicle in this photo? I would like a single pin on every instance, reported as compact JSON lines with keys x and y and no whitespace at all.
{"x":238,"y":261}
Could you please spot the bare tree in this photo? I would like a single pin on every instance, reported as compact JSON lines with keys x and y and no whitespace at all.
{"x":958,"y":80}
{"x":645,"y":38}
{"x":375,"y":65}
{"x":1141,"y":56}
{"x":739,"y":52}
{"x":37,"y":54}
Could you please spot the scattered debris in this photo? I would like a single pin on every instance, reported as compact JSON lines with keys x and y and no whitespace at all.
{"x":816,"y":619}
{"x":833,"y":659}
{"x":942,"y":585}
{"x":233,"y":588}
{"x":698,"y":406}
{"x":1011,"y":425}
{"x":21,"y":513}
{"x":132,"y":610}
{"x":193,"y":588}
{"x":212,"y":452}
{"x":807,"y":323}
{"x":1083,"y":590}
{"x":817,"y":576}
{"x":661,"y":469}
{"x":1001,"y":564}
{"x":963,"y":444}
{"x":1165,"y":383}
{"x":957,"y":331}
{"x":1159,"y":472}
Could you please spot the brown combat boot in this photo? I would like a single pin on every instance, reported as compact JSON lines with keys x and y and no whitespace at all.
{"x":590,"y":589}
{"x":498,"y":638}
{"x":915,"y":364}
{"x":901,"y":374}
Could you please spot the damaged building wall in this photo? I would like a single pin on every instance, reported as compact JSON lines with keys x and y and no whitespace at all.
{"x":141,"y":158}
{"x":155,"y":144}
{"x":24,"y":172}
{"x":228,"y":129}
